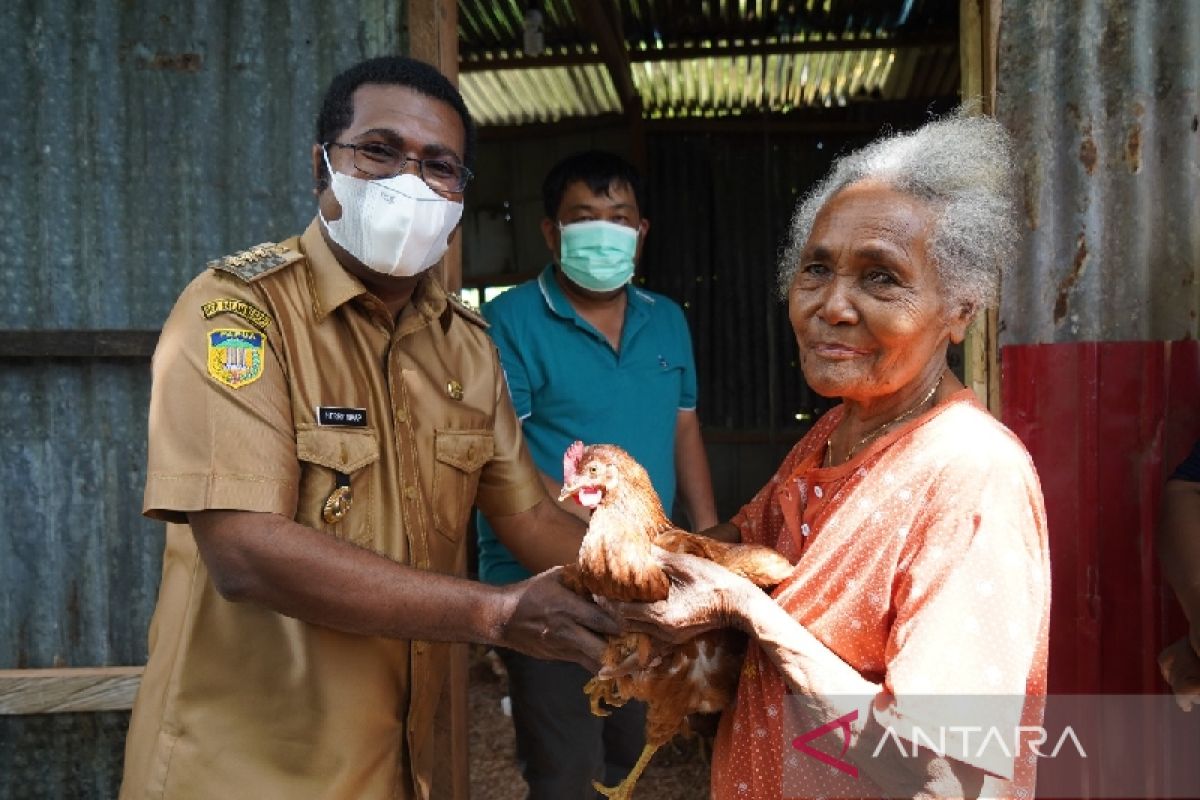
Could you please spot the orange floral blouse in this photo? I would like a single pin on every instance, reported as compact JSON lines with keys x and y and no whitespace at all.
{"x":922,"y":563}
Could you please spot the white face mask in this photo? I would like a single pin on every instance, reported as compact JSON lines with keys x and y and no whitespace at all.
{"x":396,"y":226}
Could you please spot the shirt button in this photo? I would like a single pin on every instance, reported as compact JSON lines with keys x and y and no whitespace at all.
{"x":804,"y":529}
{"x":410,"y":492}
{"x":401,"y":416}
{"x":817,"y":491}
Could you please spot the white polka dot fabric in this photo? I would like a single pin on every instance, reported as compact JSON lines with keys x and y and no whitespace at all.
{"x":923,"y":563}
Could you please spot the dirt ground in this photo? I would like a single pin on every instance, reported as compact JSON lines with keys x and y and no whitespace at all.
{"x":678,"y":771}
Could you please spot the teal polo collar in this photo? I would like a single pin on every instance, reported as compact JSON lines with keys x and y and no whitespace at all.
{"x":637,"y":308}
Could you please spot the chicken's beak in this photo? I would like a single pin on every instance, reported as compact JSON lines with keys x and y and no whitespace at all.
{"x":571,"y":487}
{"x":586,"y":494}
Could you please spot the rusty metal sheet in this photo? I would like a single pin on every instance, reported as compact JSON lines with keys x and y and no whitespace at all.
{"x":140,"y":141}
{"x":1104,"y":102}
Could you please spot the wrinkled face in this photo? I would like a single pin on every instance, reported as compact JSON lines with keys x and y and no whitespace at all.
{"x":867,"y":305}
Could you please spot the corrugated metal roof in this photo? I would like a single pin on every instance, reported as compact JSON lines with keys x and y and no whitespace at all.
{"x":486,"y":26}
{"x":1103,"y":100}
{"x":779,"y":83}
{"x":710,"y":59}
{"x":548,"y":94}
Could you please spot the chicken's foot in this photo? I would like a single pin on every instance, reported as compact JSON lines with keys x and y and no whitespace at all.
{"x":598,"y":690}
{"x":624,"y":789}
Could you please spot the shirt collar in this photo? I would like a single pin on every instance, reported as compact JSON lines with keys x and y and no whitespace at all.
{"x":333,"y":286}
{"x":638,"y":300}
{"x":429,"y":301}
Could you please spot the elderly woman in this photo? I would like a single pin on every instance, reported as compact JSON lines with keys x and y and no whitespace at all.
{"x":914,"y":626}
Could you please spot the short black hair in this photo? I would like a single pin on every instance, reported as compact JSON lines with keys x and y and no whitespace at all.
{"x":599,"y":169}
{"x":337,"y":107}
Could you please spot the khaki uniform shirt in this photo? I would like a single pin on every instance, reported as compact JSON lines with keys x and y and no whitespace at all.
{"x":278,"y":380}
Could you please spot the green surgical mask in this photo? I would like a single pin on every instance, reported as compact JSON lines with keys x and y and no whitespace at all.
{"x":597,"y":255}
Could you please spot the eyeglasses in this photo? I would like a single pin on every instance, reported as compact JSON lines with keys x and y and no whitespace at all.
{"x":381,"y":160}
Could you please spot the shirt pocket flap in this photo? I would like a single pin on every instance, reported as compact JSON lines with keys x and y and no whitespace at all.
{"x":344,"y":450}
{"x":465,"y":450}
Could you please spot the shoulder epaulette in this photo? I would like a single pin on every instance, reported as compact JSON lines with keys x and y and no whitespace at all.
{"x":465,"y":311}
{"x":260,"y":260}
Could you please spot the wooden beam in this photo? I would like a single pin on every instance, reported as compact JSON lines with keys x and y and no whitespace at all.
{"x":542,"y":130}
{"x":865,"y":117}
{"x":600,"y":19}
{"x":500,"y":61}
{"x":979,"y":32}
{"x":603,"y":21}
{"x":433,"y":38}
{"x":433,"y":34}
{"x":59,"y":691}
{"x":84,"y":344}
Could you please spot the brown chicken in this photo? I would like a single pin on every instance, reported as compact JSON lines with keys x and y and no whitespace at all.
{"x":619,"y":560}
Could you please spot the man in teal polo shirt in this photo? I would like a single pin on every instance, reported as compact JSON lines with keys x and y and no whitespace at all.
{"x":589,"y":356}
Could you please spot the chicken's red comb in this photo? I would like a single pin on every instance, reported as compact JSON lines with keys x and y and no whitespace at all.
{"x":571,"y":460}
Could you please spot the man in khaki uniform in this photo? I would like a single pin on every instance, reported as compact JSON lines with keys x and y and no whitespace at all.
{"x":322,"y":418}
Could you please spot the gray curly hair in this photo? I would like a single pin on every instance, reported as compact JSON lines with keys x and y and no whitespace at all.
{"x":962,"y":166}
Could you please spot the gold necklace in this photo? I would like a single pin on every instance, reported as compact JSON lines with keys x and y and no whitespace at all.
{"x":877,"y":431}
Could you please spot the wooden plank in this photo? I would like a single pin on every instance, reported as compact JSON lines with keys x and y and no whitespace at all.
{"x":476,"y":62}
{"x":433,"y":34}
{"x":433,"y":38}
{"x":864,"y":119}
{"x":603,"y":20}
{"x":979,"y":22}
{"x":58,"y":691}
{"x":77,"y":344}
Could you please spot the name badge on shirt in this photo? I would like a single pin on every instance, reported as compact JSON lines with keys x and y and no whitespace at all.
{"x":341,"y":417}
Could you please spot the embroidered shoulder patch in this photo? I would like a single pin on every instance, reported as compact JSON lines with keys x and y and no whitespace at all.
{"x":235,"y":357}
{"x":247,"y":311}
{"x":260,"y":260}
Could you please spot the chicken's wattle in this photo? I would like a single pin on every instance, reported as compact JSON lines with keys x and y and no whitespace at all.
{"x":590,"y":496}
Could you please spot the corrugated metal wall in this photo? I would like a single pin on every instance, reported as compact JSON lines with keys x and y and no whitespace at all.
{"x":139,"y":141}
{"x":720,"y":206}
{"x":501,"y":230}
{"x":1120,"y":417}
{"x":1103,"y":98}
{"x":717,"y":254}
